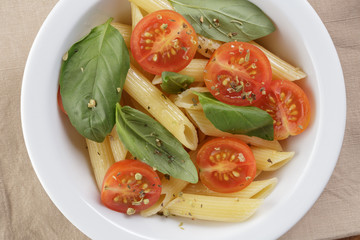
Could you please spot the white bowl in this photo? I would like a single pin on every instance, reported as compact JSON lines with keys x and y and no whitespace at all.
{"x":59,"y":156}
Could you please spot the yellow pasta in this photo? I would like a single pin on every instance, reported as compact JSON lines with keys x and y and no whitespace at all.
{"x":171,"y":187}
{"x":256,"y":189}
{"x":188,"y":99}
{"x":209,"y":129}
{"x":162,"y":109}
{"x":101,"y":159}
{"x":270,"y":160}
{"x":117,"y":147}
{"x":280,"y":68}
{"x":136,"y":14}
{"x":222,"y":209}
{"x":195,"y":69}
{"x":152,"y":5}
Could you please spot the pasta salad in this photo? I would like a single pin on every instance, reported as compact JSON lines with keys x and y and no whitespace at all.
{"x":182,"y":110}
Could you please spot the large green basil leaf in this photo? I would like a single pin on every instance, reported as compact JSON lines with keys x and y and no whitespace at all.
{"x":247,"y":120}
{"x":153,"y":144}
{"x":92,"y":76}
{"x":225,"y":20}
{"x":175,"y":83}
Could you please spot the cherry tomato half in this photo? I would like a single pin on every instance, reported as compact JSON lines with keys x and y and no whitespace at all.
{"x":59,"y":100}
{"x":130,"y":186}
{"x":226,"y":165}
{"x":289,"y":106}
{"x":163,"y":41}
{"x":238,"y":73}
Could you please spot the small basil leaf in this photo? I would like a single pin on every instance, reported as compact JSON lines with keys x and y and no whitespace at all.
{"x":175,"y":83}
{"x":226,"y":21}
{"x":153,"y":144}
{"x":92,"y":76}
{"x":246,"y":120}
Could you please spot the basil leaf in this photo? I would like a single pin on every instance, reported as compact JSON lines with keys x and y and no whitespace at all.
{"x":153,"y":144}
{"x":92,"y":76}
{"x":175,"y":83}
{"x":246,"y":120}
{"x":225,"y":20}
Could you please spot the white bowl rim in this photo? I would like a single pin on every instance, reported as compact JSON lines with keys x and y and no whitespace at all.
{"x":311,"y":194}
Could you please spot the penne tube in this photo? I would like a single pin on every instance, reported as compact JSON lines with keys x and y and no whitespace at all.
{"x":171,"y":187}
{"x":258,"y":172}
{"x":161,"y":108}
{"x":125,"y":31}
{"x":280,"y":68}
{"x":209,"y":129}
{"x":256,"y":189}
{"x":270,"y":160}
{"x":101,"y":159}
{"x":222,"y":209}
{"x":152,"y":5}
{"x":188,"y":99}
{"x":195,"y":69}
{"x":117,"y":147}
{"x":136,"y":14}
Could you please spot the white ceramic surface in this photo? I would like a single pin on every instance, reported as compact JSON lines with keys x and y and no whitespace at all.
{"x":59,"y":156}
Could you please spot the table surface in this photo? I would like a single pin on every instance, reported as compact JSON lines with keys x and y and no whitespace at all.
{"x":26,"y":212}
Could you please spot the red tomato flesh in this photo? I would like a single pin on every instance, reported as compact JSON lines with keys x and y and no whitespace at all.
{"x":238,"y":73}
{"x":226,"y":165}
{"x":163,"y":41}
{"x":130,"y":186}
{"x":289,"y":106}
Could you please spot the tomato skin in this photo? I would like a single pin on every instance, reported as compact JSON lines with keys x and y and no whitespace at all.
{"x":59,"y":100}
{"x":226,"y":165}
{"x":238,"y":73}
{"x":121,"y":190}
{"x":163,"y":41}
{"x":289,"y":106}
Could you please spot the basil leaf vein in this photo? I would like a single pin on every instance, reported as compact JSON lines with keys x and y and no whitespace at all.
{"x":92,"y":76}
{"x":225,"y":20}
{"x":153,"y":144}
{"x":246,"y":120}
{"x":175,"y":83}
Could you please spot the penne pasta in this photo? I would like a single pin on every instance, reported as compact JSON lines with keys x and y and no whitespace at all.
{"x":188,"y":99}
{"x":171,"y":187}
{"x":256,"y":189}
{"x":136,"y":14}
{"x":209,"y":129}
{"x":222,"y":209}
{"x":152,"y":5}
{"x":161,"y":108}
{"x":280,"y":68}
{"x":195,"y":69}
{"x":101,"y":159}
{"x":118,"y":149}
{"x":270,"y":160}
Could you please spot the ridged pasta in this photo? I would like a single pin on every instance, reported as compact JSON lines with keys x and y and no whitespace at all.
{"x":256,"y":189}
{"x":161,"y":108}
{"x":117,"y":147}
{"x":101,"y":159}
{"x":222,"y":209}
{"x":270,"y":160}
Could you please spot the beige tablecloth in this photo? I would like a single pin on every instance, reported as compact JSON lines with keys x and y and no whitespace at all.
{"x":26,"y":212}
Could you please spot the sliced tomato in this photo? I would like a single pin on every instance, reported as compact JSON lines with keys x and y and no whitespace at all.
{"x":289,"y":106}
{"x":130,"y":186}
{"x":226,"y":165}
{"x":238,"y":73}
{"x":163,"y":41}
{"x":59,"y":100}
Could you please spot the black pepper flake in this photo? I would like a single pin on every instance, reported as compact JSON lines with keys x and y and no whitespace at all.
{"x":190,"y":214}
{"x":163,"y":95}
{"x":162,"y":204}
{"x":98,"y":153}
{"x":159,"y":185}
{"x":269,"y":160}
{"x":157,"y":152}
{"x":118,"y":173}
{"x":172,"y":20}
{"x":148,"y":107}
{"x":128,"y":186}
{"x":135,"y":158}
{"x":167,"y":176}
{"x":184,"y":25}
{"x":199,"y":47}
{"x":153,"y":185}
